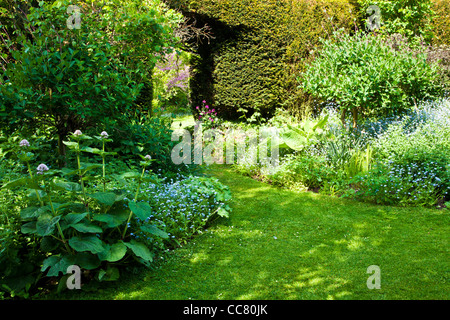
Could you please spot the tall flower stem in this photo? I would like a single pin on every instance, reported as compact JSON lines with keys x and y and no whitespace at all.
{"x":135,"y":199}
{"x":81,"y":176}
{"x":31,"y":176}
{"x":103,"y":165}
{"x":63,"y":239}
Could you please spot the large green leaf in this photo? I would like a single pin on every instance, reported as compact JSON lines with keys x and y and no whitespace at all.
{"x":113,"y":253}
{"x":86,"y":243}
{"x":154,"y":230}
{"x":30,"y":213}
{"x":46,"y":224}
{"x":87,"y":227}
{"x":111,"y":220}
{"x":58,"y":184}
{"x":74,"y":207}
{"x":140,"y":250}
{"x":141,"y":209}
{"x":29,"y":227}
{"x":15,"y":183}
{"x":91,"y":150}
{"x":49,"y":244}
{"x":73,"y":218}
{"x":57,"y":264}
{"x":293,"y":139}
{"x":87,"y":261}
{"x":106,"y":198}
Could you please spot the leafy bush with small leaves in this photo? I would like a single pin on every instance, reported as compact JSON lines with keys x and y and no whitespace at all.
{"x":363,"y":75}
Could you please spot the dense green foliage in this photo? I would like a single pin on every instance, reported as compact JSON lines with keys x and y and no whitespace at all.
{"x":401,"y":160}
{"x":261,"y":46}
{"x":284,"y":245}
{"x":365,"y":75}
{"x":94,"y":218}
{"x":82,"y":78}
{"x":407,"y":17}
{"x":119,"y":66}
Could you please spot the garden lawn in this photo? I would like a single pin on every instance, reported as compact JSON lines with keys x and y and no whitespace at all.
{"x":280,"y":244}
{"x":181,"y":122}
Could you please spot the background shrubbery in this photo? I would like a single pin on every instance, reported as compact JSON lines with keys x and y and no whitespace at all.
{"x":260,"y":46}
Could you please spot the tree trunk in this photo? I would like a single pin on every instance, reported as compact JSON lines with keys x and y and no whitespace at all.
{"x":344,"y":111}
{"x":355,"y":117}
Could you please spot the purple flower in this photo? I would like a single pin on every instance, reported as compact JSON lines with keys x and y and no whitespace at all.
{"x":41,"y":168}
{"x":104,"y":134}
{"x":24,"y":143}
{"x":148,"y":157}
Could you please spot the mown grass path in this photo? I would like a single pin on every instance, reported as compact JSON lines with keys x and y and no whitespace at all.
{"x":280,"y":244}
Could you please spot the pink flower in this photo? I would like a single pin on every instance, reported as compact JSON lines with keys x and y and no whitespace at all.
{"x":197,"y":108}
{"x":24,"y":143}
{"x":41,"y":168}
{"x":213,"y":110}
{"x":206,"y":107}
{"x":148,"y":157}
{"x":77,"y":133}
{"x":204,"y":101}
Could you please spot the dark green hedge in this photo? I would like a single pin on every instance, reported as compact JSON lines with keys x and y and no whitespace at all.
{"x":258,"y":48}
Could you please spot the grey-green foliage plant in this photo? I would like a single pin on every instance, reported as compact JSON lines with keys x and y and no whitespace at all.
{"x":364,"y":75}
{"x":81,"y":225}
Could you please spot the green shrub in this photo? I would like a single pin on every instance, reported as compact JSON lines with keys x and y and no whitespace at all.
{"x":183,"y":208}
{"x":363,"y":75}
{"x":74,"y":79}
{"x":408,"y":184}
{"x":412,"y":160}
{"x":94,"y":218}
